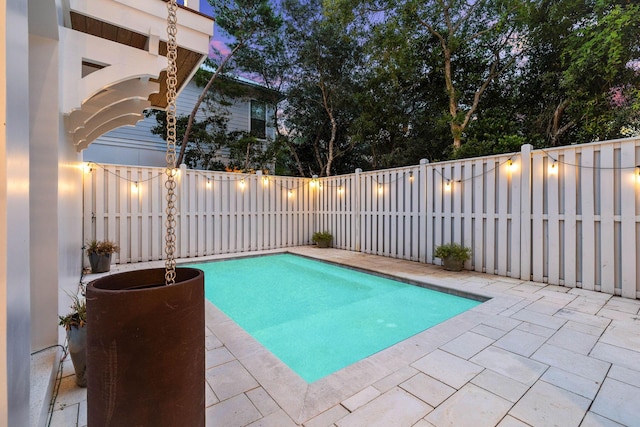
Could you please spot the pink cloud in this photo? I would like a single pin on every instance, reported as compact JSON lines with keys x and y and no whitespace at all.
{"x":220,"y":46}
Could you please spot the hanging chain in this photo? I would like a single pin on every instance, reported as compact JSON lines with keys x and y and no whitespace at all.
{"x":170,"y":184}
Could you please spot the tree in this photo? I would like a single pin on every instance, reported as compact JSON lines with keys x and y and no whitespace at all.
{"x":475,"y":43}
{"x":248,"y":22}
{"x":582,"y":69}
{"x":323,"y":81}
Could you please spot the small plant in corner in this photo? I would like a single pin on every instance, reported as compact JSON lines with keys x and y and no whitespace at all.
{"x":99,"y":252}
{"x":322,"y":239}
{"x":453,"y":256}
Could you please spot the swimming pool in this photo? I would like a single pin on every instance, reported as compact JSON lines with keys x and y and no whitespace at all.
{"x":317,"y":317}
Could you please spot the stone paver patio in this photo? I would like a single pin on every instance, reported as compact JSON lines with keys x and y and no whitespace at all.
{"x":532,"y":355}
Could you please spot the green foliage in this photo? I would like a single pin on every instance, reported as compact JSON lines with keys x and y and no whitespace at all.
{"x":101,"y":247}
{"x":323,"y":236}
{"x":78,"y":315}
{"x":453,"y":250}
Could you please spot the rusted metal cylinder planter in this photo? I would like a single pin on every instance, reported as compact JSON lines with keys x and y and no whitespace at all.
{"x":146,"y":350}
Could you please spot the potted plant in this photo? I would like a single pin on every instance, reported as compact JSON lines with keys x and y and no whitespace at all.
{"x":75,"y":323}
{"x":99,"y":253}
{"x":453,"y":256}
{"x":322,"y":239}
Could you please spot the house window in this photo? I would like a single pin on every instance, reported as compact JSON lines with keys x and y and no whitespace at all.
{"x":258,"y":119}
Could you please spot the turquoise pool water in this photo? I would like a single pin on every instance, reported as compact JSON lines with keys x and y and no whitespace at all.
{"x":319,"y":318}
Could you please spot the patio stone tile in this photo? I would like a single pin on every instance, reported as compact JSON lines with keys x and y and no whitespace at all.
{"x":502,"y":322}
{"x":395,"y":379}
{"x":217,"y":356}
{"x":619,"y":356}
{"x":556,"y":295}
{"x":510,"y":365}
{"x":509,"y":421}
{"x":230,"y":379}
{"x":262,"y":401}
{"x":520,"y":342}
{"x":595,"y":420}
{"x":82,"y":414}
{"x":276,"y":419}
{"x":617,"y":315}
{"x":599,"y":296}
{"x":585,"y":305}
{"x":235,"y":412}
{"x":585,"y":328}
{"x":489,"y":331}
{"x":625,"y":375}
{"x":210,"y":397}
{"x":545,"y":306}
{"x":328,"y":417}
{"x":536,"y":329}
{"x":471,"y":406}
{"x":65,"y":417}
{"x":623,"y":334}
{"x":573,"y":362}
{"x":619,"y":402}
{"x":448,"y":368}
{"x":467,"y":345}
{"x":428,"y":389}
{"x":585,"y":318}
{"x":573,"y":340}
{"x":539,"y":319}
{"x":423,"y":423}
{"x":547,"y":405}
{"x":361,"y":398}
{"x":211,"y":341}
{"x":515,"y":308}
{"x":69,"y":393}
{"x":394,"y":408}
{"x":500,"y":385}
{"x":529,"y":287}
{"x":623,"y":304}
{"x":571,"y":382}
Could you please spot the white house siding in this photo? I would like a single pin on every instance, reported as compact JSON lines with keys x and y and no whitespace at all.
{"x":136,"y":145}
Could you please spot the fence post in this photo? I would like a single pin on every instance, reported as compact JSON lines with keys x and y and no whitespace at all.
{"x":182,"y":240}
{"x":424,"y":213}
{"x":525,"y":212}
{"x":356,"y":214}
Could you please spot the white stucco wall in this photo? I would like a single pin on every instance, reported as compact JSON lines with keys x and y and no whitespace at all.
{"x":14,"y":216}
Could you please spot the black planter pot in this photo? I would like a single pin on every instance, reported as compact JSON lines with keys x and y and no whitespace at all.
{"x":145,"y":349}
{"x":77,"y":340}
{"x":100,"y":263}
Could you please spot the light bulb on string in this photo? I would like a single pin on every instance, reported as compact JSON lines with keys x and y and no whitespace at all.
{"x":380,"y":189}
{"x":410,"y":176}
{"x":447,"y":185}
{"x":553,"y":167}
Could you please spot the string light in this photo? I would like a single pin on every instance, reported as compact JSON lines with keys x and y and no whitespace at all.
{"x":242,"y":184}
{"x":86,"y":167}
{"x":553,"y":168}
{"x":410,"y":176}
{"x":208,"y":182}
{"x":265,"y":181}
{"x":340,"y":189}
{"x":380,"y":189}
{"x":314,"y":181}
{"x":447,"y":185}
{"x":134,"y":187}
{"x":290,"y":193}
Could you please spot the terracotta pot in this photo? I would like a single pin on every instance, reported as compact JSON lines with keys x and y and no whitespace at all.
{"x":100,"y":263}
{"x":145,"y":349}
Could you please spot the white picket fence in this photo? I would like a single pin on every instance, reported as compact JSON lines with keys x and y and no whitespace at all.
{"x":568,"y":216}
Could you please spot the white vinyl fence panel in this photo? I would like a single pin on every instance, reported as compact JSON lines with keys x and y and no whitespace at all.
{"x":568,"y":216}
